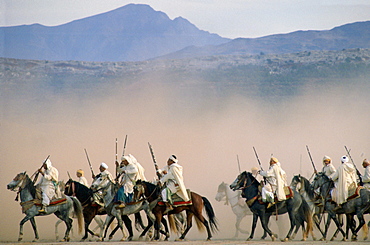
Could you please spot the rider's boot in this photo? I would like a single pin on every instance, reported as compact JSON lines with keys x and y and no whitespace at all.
{"x":337,"y":208}
{"x":121,"y":205}
{"x":42,"y":210}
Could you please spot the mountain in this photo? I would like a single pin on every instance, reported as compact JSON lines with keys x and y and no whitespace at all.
{"x":131,"y":33}
{"x":354,"y":35}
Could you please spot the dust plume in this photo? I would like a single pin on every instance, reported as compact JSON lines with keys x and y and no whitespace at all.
{"x":203,"y":130}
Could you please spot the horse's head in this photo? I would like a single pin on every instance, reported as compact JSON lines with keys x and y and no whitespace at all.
{"x":221,"y":192}
{"x":320,"y":179}
{"x":101,"y":182}
{"x":69,"y":187}
{"x":240,"y":181}
{"x":139,"y":190}
{"x":19,"y":181}
{"x":296,"y":182}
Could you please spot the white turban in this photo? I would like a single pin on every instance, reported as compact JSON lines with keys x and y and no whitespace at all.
{"x":344,"y":159}
{"x":104,"y":165}
{"x":173,"y":158}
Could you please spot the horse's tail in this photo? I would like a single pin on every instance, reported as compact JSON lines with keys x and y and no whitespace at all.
{"x":173,"y":224}
{"x":307,"y":214}
{"x":211,"y":214}
{"x":365,"y":231}
{"x":78,"y":212}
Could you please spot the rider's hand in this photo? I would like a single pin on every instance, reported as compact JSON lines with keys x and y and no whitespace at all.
{"x":116,"y":163}
{"x":164,"y":172}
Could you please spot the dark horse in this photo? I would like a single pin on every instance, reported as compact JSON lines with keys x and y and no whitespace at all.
{"x":356,"y":206}
{"x":151,"y":192}
{"x":90,"y":209}
{"x":27,"y":190}
{"x":296,"y":207}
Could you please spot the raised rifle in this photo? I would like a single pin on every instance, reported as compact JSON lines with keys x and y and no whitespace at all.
{"x":88,"y":160}
{"x":124,"y":146}
{"x":237,"y":158}
{"x":309,"y":154}
{"x":259,"y":162}
{"x":37,"y":171}
{"x":154,"y":161}
{"x":357,"y":172}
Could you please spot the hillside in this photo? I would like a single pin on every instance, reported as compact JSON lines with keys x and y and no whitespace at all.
{"x":130,"y":33}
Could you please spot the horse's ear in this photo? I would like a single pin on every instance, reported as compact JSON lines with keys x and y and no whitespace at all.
{"x":24,"y":172}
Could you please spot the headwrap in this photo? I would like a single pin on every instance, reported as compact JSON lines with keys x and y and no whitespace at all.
{"x":344,"y":159}
{"x":326,"y":158}
{"x":254,"y":169}
{"x":366,"y":161}
{"x":173,"y":158}
{"x":274,"y":160}
{"x":104,"y":165}
{"x":80,"y":171}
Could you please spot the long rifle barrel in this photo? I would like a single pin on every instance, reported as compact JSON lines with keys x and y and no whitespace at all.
{"x":154,"y":161}
{"x":259,"y":162}
{"x":88,"y":160}
{"x":309,"y":154}
{"x":357,"y":172}
{"x":124,"y":146}
{"x":237,"y":157}
{"x":37,"y":171}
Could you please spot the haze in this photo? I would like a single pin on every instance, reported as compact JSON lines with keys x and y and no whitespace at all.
{"x":205,"y":132}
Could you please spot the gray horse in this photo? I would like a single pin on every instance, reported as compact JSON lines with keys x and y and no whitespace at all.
{"x":27,"y":190}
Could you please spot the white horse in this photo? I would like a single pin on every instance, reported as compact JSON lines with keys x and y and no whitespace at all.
{"x":104,"y":185}
{"x":238,"y":205}
{"x":26,"y":188}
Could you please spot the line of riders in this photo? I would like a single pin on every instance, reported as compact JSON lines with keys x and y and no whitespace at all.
{"x":346,"y":179}
{"x":129,"y":171}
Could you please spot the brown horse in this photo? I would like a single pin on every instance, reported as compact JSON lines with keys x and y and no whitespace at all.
{"x":151,"y":192}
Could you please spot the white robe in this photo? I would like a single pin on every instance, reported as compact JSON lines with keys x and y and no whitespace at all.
{"x":133,"y":173}
{"x":345,"y":178}
{"x":46,"y":184}
{"x":276,"y":180}
{"x":174,"y":180}
{"x":366,"y":178}
{"x":329,"y":170}
{"x":83,"y":180}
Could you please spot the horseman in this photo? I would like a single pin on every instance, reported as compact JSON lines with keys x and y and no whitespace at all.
{"x":131,"y":171}
{"x":366,"y":176}
{"x":346,"y":181}
{"x":172,"y":177}
{"x":47,"y":184}
{"x":81,"y":179}
{"x":276,"y":181}
{"x":104,"y":173}
{"x":328,"y":169}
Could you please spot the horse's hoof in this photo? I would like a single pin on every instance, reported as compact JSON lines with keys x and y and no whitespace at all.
{"x":208,"y":239}
{"x":179,"y":240}
{"x":249,"y":239}
{"x":344,"y":239}
{"x":273,"y":238}
{"x":322,"y":239}
{"x":365,"y":238}
{"x":35,"y":240}
{"x":354,"y":238}
{"x":314,"y":238}
{"x":20,"y":239}
{"x":285,"y":239}
{"x":303,"y":239}
{"x":129,"y":238}
{"x":82,"y":240}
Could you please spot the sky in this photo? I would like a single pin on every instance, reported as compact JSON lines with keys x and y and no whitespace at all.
{"x":231,"y":19}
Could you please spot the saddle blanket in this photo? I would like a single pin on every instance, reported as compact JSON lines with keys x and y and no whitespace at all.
{"x":53,"y":202}
{"x":27,"y":205}
{"x":178,"y":201}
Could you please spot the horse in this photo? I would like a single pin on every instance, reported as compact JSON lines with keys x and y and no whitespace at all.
{"x":293,"y":206}
{"x":355,"y":206}
{"x":151,"y":193}
{"x":105,"y":185}
{"x":27,"y":190}
{"x":233,"y":198}
{"x":304,"y":187}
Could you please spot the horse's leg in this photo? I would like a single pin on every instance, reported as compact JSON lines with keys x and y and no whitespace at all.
{"x":360,"y":217}
{"x":166,"y":231}
{"x":99,"y":225}
{"x":150,"y":224}
{"x":237,"y":224}
{"x":68,"y":221}
{"x":56,"y":229}
{"x":128,"y":225}
{"x":189,"y":224}
{"x":113,"y":232}
{"x":254,"y":223}
{"x":34,"y":227}
{"x":264,"y":221}
{"x":157,"y":224}
{"x":24,"y":220}
{"x":336,"y":221}
{"x":103,"y":232}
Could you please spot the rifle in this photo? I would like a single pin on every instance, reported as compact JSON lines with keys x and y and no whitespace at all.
{"x":237,"y":157}
{"x":357,"y":172}
{"x":69,"y":175}
{"x":259,"y":162}
{"x":154,"y":161}
{"x":309,"y":154}
{"x":88,"y":160}
{"x":37,"y":171}
{"x":124,"y":146}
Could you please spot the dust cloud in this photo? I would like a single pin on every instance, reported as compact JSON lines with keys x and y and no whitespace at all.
{"x":206,"y":132}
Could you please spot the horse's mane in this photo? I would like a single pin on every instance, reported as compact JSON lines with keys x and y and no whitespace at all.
{"x":31,"y":186}
{"x":308,"y":187}
{"x":151,"y":187}
{"x":252,"y":178}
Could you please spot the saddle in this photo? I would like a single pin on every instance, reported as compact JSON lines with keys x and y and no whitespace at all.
{"x":288,"y":193}
{"x":178,"y":201}
{"x":27,"y":205}
{"x":356,"y":194}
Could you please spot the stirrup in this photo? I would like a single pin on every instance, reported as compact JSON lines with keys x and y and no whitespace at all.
{"x":42,"y":210}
